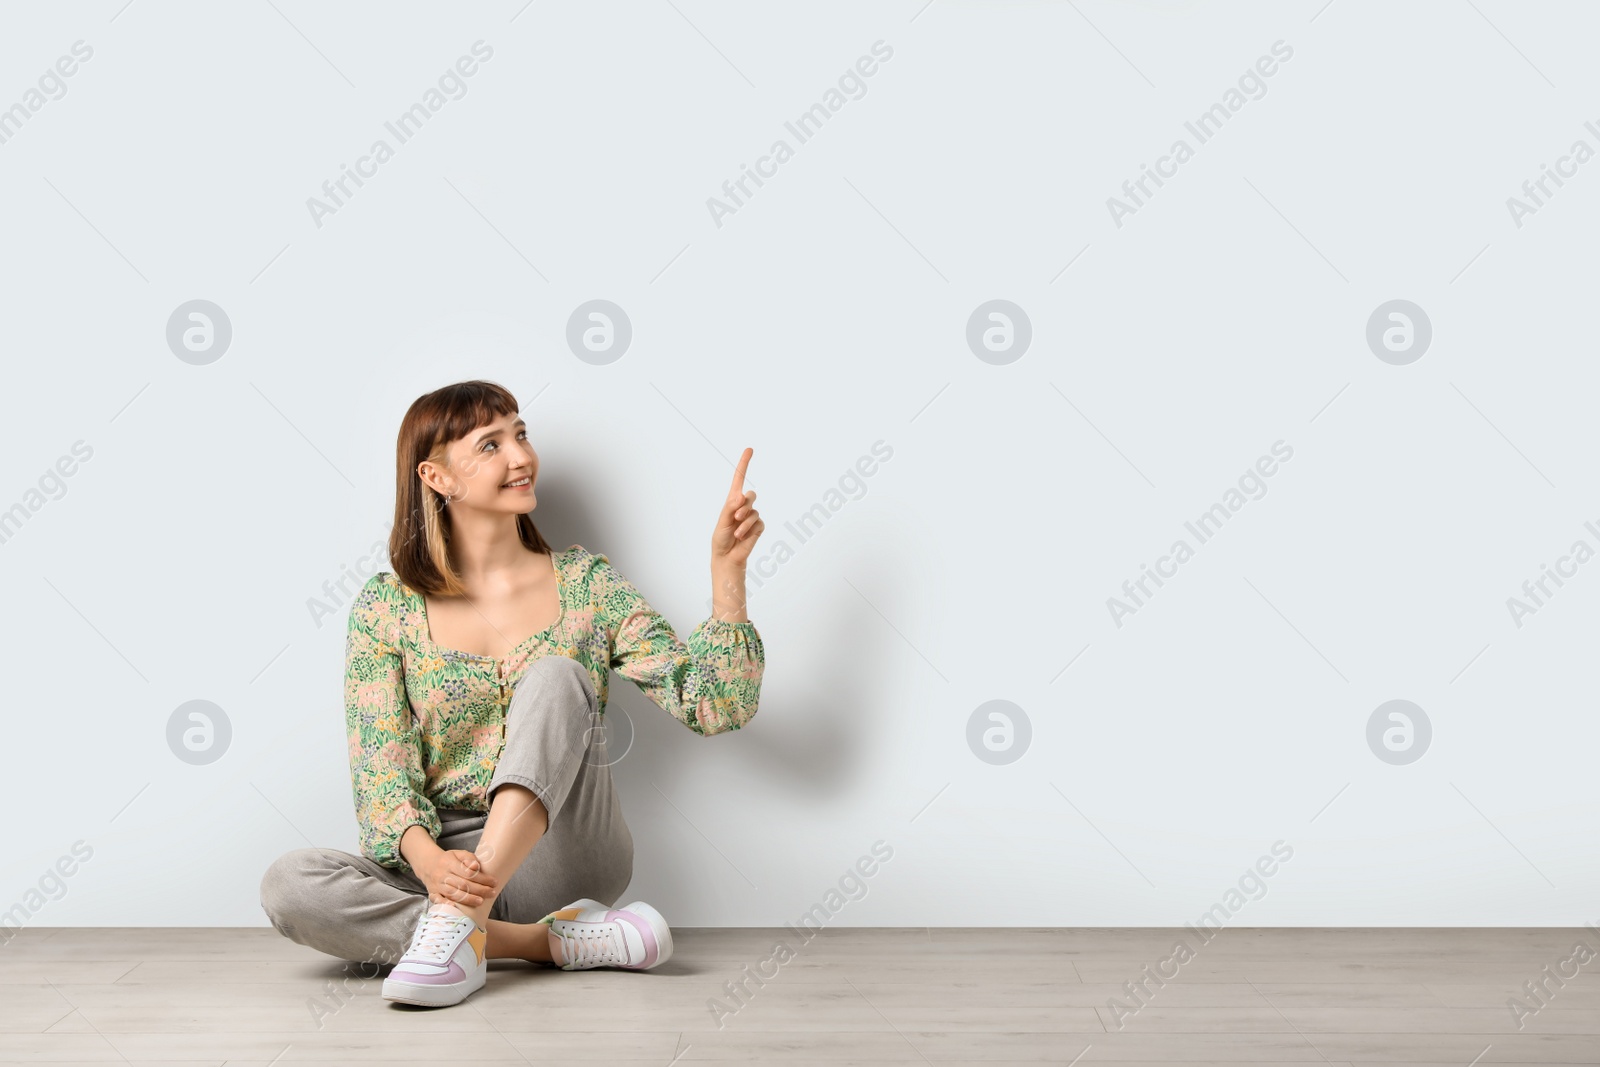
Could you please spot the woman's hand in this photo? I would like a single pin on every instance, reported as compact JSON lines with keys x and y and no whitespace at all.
{"x":739,"y":525}
{"x":457,"y":876}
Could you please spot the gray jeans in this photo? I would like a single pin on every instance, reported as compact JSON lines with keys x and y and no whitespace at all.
{"x":351,"y":907}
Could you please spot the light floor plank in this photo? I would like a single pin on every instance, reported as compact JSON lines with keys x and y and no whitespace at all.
{"x":892,"y":996}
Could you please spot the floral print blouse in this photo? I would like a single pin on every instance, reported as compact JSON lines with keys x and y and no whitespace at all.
{"x":426,"y":724}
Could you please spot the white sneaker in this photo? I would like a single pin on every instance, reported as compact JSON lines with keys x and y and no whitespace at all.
{"x":634,"y":937}
{"x":445,"y":964}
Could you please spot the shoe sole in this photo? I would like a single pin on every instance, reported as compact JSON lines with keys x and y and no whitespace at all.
{"x":429,"y":996}
{"x":658,"y":927}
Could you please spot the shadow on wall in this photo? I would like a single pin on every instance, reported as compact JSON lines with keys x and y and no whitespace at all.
{"x":563,"y":514}
{"x":815,"y":733}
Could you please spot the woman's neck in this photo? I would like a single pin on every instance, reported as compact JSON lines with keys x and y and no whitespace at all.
{"x":486,"y":548}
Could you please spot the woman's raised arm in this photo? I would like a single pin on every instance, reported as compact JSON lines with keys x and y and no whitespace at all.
{"x":711,"y":683}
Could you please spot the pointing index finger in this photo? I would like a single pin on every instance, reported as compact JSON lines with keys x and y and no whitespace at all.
{"x":737,"y":489}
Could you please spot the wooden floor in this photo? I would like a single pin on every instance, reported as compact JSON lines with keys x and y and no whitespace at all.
{"x":849,"y":996}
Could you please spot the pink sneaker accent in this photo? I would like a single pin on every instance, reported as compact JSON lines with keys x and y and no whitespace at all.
{"x":652,"y":951}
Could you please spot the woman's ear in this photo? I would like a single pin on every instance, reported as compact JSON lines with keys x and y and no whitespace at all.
{"x":431,"y":477}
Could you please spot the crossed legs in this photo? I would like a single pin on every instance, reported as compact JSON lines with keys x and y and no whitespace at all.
{"x":553,"y":833}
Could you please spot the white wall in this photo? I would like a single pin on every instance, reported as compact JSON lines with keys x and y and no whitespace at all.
{"x":829,"y":312}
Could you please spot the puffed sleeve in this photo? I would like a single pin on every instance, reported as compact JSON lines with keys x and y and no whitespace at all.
{"x":386,"y":773}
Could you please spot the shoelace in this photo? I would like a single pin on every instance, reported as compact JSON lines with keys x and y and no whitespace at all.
{"x":594,"y":943}
{"x":434,"y":934}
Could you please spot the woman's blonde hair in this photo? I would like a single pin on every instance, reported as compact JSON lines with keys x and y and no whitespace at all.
{"x":419,"y":542}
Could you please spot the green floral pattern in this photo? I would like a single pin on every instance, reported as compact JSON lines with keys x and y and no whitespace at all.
{"x":426,"y":724}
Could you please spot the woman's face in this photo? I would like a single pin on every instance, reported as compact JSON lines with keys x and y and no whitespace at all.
{"x":493,"y":468}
